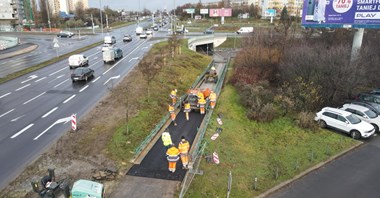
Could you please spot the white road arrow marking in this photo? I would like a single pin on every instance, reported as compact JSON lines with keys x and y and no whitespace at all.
{"x":30,"y":78}
{"x":113,"y":77}
{"x":133,"y":59}
{"x":62,"y":120}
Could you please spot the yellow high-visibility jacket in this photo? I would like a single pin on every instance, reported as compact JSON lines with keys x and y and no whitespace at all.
{"x":184,"y":147}
{"x":213,"y":97}
{"x":171,"y":108}
{"x":187,"y":106}
{"x":166,"y":139}
{"x":172,"y":154}
{"x":202,"y":101}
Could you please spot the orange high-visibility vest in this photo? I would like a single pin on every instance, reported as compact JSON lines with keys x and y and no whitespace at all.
{"x":184,"y":147}
{"x":171,"y":108}
{"x":173,"y":154}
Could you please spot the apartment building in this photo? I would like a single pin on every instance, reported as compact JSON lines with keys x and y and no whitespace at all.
{"x":12,"y":14}
{"x":66,"y":6}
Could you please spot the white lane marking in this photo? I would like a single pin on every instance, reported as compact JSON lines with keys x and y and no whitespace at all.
{"x":56,"y":72}
{"x":30,"y":78}
{"x":6,"y":113}
{"x":85,"y":87}
{"x":61,"y":83}
{"x":68,"y":99}
{"x":22,"y":131}
{"x":144,"y":47}
{"x":5,"y":95}
{"x":123,"y":58}
{"x":113,"y":77}
{"x":14,"y":120}
{"x":23,"y":87}
{"x":96,"y":79}
{"x":48,"y":113}
{"x":65,"y":120}
{"x":34,"y":98}
{"x":61,"y":76}
{"x":40,"y":79}
{"x":133,"y":59}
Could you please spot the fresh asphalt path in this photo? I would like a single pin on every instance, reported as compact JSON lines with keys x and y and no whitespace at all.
{"x":32,"y":106}
{"x":155,"y":164}
{"x":356,"y":174}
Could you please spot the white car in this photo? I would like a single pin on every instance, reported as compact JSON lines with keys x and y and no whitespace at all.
{"x":78,"y":60}
{"x":364,"y":114}
{"x":143,"y":35}
{"x":344,"y":121}
{"x":149,"y":32}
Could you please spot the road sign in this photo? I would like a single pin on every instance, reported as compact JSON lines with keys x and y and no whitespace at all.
{"x":55,"y":40}
{"x":56,"y":45}
{"x":74,"y":122}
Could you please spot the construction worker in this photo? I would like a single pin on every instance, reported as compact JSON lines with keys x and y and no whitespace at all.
{"x":213,"y":70}
{"x":200,"y":95}
{"x":172,"y":155}
{"x":166,"y":139}
{"x":187,"y":109}
{"x":172,"y":114}
{"x":202,"y":104}
{"x":184,"y":147}
{"x":212,"y":99}
{"x":173,"y":96}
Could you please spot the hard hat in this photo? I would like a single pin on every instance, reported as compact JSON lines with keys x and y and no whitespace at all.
{"x":213,"y":68}
{"x":175,"y":90}
{"x":182,"y":137}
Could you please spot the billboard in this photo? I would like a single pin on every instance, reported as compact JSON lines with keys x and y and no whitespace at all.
{"x":270,"y":12}
{"x":189,"y":10}
{"x":224,"y":12}
{"x":341,"y":13}
{"x":204,"y":11}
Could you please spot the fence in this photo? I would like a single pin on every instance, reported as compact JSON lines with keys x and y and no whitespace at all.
{"x":157,"y":128}
{"x":197,"y":151}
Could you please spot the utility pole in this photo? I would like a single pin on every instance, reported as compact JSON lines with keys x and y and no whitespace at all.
{"x":47,"y":10}
{"x":101,"y":15}
{"x":92,"y":22}
{"x":107,"y":22}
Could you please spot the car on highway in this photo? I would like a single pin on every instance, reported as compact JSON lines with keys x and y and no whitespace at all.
{"x":208,"y":31}
{"x":110,"y":40}
{"x":363,"y":113}
{"x":155,"y":28}
{"x":127,"y":38}
{"x":66,"y":34}
{"x":78,"y":60}
{"x":149,"y":32}
{"x":82,"y":73}
{"x":344,"y":121}
{"x":143,"y":35}
{"x":106,"y":46}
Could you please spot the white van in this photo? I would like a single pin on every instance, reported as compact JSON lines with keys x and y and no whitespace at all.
{"x":78,"y":60}
{"x":244,"y":30}
{"x":139,"y":30}
{"x":109,"y":40}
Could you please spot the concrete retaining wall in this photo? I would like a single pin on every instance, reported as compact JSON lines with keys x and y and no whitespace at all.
{"x":7,"y":42}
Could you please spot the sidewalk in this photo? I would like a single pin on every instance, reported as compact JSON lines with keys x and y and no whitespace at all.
{"x":17,"y":50}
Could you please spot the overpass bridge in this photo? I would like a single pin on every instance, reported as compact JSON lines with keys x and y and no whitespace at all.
{"x":205,"y":43}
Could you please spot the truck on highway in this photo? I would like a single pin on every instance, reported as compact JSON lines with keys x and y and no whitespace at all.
{"x":139,"y":30}
{"x":244,"y":30}
{"x":112,"y":54}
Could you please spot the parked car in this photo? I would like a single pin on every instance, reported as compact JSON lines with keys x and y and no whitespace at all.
{"x":370,"y":105}
{"x":143,"y":35}
{"x":364,"y":113}
{"x":369,"y":97}
{"x":65,"y":34}
{"x":78,"y":60}
{"x":155,"y":28}
{"x":208,"y":31}
{"x":344,"y":121}
{"x":127,"y":38}
{"x":82,"y":73}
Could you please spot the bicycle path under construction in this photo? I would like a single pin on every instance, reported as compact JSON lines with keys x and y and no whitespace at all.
{"x":149,"y":176}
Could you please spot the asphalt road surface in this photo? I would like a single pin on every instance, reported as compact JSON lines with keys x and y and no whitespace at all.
{"x":353,"y":175}
{"x":34,"y":109}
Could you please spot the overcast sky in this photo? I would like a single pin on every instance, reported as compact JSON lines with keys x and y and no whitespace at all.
{"x":151,"y":5}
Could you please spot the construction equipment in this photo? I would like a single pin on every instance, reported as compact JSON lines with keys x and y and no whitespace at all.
{"x":211,"y":76}
{"x":193,"y":96}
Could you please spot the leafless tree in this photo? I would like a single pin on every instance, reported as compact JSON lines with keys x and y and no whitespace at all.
{"x":150,"y":68}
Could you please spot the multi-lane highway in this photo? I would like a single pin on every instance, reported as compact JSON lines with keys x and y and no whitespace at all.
{"x":34,"y":108}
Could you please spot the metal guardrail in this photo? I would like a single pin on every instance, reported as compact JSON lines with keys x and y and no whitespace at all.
{"x":157,"y":128}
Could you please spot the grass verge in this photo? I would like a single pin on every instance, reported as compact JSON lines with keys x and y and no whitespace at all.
{"x":45,"y":63}
{"x":273,"y":152}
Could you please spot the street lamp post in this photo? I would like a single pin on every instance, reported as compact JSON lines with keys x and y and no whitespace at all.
{"x":48,"y":15}
{"x":101,"y":15}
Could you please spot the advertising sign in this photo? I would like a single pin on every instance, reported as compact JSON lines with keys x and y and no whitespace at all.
{"x":224,"y":12}
{"x":341,"y":13}
{"x":270,"y":12}
{"x":197,"y":17}
{"x":189,"y":10}
{"x":204,"y":11}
